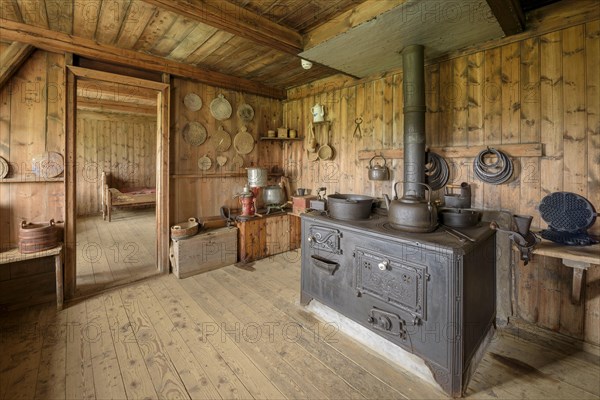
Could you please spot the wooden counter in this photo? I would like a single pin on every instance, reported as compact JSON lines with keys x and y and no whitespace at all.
{"x":261,"y":237}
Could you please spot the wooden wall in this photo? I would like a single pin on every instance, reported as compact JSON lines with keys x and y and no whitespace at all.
{"x":31,"y":122}
{"x":123,"y":145}
{"x":197,"y":193}
{"x":542,"y":89}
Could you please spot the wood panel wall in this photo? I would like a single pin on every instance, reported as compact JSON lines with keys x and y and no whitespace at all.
{"x":197,"y":193}
{"x":31,"y":115}
{"x":123,"y":145}
{"x":543,"y":89}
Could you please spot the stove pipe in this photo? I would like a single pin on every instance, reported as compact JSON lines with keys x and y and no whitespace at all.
{"x":414,"y":121}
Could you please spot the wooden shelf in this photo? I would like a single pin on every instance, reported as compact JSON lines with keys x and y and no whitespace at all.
{"x":278,"y":138}
{"x":30,"y":178}
{"x":580,"y":258}
{"x":222,"y":175}
{"x":513,"y":150}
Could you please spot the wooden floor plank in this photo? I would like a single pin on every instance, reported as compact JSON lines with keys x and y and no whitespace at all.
{"x":220,"y":373}
{"x":267,"y":359}
{"x":23,"y":357}
{"x":51,"y":377}
{"x":79,"y":374}
{"x":166,"y":380}
{"x":190,"y":370}
{"x":136,"y":378}
{"x":313,"y":369}
{"x":107,"y":371}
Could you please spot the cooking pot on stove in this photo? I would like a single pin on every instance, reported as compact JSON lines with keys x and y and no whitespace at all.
{"x":459,"y":218}
{"x":349,"y":207}
{"x":412,"y":214}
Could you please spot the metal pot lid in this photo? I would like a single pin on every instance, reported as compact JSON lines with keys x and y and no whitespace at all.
{"x":220,"y":108}
{"x":245,"y":112}
{"x":221,"y":140}
{"x":221,"y":160}
{"x":3,"y":168}
{"x":237,"y":162}
{"x":243,"y":142}
{"x":192,"y":102}
{"x":194,"y":133}
{"x":204,"y":163}
{"x":567,"y":212}
{"x":48,"y":165}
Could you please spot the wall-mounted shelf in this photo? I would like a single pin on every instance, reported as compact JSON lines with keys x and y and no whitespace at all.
{"x":513,"y":150}
{"x":580,"y":258}
{"x":280,"y":139}
{"x":30,"y":178}
{"x":221,"y":175}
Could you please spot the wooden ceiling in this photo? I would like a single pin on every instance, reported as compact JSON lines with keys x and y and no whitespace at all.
{"x":246,"y":45}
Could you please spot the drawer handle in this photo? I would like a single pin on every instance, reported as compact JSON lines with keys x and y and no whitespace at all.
{"x":324,"y":264}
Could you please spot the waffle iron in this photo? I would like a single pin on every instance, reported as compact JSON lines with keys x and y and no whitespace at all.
{"x":568,"y":216}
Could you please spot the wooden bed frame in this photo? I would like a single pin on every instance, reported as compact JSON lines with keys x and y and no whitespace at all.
{"x":134,"y":197}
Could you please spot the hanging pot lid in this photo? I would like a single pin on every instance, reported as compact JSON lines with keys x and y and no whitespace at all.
{"x":204,"y":163}
{"x":220,"y":108}
{"x":245,"y":112}
{"x":3,"y":168}
{"x":237,"y":162}
{"x":221,"y":140}
{"x":194,"y":133}
{"x":243,"y":141}
{"x":221,"y":160}
{"x":192,"y":102}
{"x":48,"y":165}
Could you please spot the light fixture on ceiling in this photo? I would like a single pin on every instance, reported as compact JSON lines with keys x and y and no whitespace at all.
{"x":305,"y":64}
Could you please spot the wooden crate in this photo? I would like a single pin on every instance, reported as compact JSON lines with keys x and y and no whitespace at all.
{"x":203,"y":252}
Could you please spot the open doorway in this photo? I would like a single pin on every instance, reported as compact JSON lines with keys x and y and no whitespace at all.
{"x":116,"y":139}
{"x":116,"y":180}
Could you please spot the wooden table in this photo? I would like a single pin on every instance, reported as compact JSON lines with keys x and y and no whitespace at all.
{"x":14,"y":255}
{"x":580,"y":258}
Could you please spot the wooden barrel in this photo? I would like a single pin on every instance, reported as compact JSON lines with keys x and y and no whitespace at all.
{"x":35,"y":236}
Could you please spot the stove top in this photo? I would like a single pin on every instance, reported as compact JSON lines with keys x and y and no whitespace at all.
{"x":379,"y":225}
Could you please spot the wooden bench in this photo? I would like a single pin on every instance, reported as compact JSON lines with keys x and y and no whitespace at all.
{"x":14,"y":256}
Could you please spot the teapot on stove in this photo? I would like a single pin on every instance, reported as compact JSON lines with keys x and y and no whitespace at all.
{"x":411,"y":213}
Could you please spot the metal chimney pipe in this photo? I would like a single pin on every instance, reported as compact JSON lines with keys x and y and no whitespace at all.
{"x":414,"y":121}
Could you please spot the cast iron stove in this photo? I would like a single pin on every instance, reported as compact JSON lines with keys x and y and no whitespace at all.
{"x":429,"y":293}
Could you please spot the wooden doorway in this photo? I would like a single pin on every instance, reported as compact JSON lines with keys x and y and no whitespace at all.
{"x":78,"y":74}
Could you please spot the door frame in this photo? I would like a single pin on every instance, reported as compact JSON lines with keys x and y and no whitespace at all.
{"x":162,"y":166}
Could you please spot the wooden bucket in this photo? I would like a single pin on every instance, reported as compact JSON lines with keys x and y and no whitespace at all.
{"x":34,"y":236}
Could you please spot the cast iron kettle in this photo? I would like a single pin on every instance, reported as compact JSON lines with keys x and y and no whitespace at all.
{"x":412,"y":214}
{"x":378,"y":172}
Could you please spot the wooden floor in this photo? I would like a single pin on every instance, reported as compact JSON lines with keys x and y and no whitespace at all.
{"x":115,"y":253}
{"x":240,"y":333}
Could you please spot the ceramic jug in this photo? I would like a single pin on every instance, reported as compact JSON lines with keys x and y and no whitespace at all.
{"x":318,"y":112}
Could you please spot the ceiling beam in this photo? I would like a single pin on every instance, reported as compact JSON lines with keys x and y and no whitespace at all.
{"x":11,"y":59}
{"x":62,"y":43}
{"x":234,"y":19}
{"x":509,"y":15}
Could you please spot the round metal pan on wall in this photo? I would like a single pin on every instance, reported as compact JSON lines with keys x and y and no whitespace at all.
{"x":221,"y":140}
{"x":220,"y":108}
{"x":243,"y":142}
{"x":245,"y":112}
{"x":194,"y":133}
{"x":192,"y":102}
{"x":204,"y":163}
